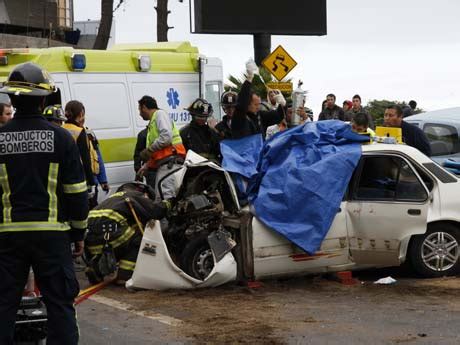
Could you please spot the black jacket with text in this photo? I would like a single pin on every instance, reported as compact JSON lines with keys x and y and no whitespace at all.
{"x":42,"y":182}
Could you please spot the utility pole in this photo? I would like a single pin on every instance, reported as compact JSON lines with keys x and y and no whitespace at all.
{"x":262,"y":47}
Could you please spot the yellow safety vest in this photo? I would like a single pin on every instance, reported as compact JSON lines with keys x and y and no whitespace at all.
{"x":75,"y":132}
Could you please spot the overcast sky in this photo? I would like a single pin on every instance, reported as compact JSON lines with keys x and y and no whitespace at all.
{"x":392,"y":49}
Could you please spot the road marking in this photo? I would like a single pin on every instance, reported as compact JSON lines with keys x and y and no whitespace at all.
{"x":167,"y":320}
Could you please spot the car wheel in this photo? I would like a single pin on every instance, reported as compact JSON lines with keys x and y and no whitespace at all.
{"x":197,"y":259}
{"x":437,"y":252}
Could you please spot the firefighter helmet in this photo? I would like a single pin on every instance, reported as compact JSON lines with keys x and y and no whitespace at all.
{"x":137,"y":186}
{"x":228,"y":99}
{"x":54,"y":112}
{"x":200,"y":108}
{"x":28,"y":79}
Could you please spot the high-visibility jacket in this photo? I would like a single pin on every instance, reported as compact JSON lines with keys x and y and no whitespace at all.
{"x":84,"y":146}
{"x":42,"y":183}
{"x":175,"y":149}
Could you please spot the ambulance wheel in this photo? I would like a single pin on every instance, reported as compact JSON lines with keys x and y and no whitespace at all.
{"x":437,"y":252}
{"x":197,"y":259}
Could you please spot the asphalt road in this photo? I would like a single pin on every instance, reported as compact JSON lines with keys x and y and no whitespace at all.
{"x":308,"y":310}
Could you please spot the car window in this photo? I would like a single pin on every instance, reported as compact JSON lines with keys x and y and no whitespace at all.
{"x":443,"y":139}
{"x":388,"y":178}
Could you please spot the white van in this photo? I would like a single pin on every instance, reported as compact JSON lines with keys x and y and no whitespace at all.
{"x":110,"y":82}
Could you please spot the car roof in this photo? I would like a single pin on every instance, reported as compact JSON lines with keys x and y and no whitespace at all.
{"x":397,"y":148}
{"x":447,"y":114}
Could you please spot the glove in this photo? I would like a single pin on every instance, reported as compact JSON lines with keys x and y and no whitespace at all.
{"x":251,"y":69}
{"x":279,"y":98}
{"x":145,"y":155}
{"x":105,"y":187}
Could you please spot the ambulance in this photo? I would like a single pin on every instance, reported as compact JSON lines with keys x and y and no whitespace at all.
{"x":110,"y":82}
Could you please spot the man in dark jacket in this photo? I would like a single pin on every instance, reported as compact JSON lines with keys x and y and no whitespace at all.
{"x":357,"y":108}
{"x":248,"y":119}
{"x":332,"y":111}
{"x":228,"y":102}
{"x":411,"y":135}
{"x":197,"y":135}
{"x":141,"y":143}
{"x":44,"y":208}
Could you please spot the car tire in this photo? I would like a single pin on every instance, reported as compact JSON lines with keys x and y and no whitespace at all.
{"x":437,"y":252}
{"x":197,"y":259}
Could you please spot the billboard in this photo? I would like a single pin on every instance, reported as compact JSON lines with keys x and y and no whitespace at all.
{"x":287,"y":17}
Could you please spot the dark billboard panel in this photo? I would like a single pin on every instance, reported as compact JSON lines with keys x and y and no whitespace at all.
{"x":287,"y":17}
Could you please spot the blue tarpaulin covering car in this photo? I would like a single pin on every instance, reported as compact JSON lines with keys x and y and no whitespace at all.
{"x":297,"y":179}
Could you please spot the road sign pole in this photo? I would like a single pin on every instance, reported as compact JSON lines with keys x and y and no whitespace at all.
{"x":262,"y":47}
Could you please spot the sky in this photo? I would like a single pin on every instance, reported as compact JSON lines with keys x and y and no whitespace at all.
{"x":392,"y":49}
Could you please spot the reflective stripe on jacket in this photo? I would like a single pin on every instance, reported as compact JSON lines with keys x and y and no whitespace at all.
{"x":42,"y":184}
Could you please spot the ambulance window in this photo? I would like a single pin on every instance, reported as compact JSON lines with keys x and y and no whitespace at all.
{"x":106,"y":104}
{"x":213,"y":97}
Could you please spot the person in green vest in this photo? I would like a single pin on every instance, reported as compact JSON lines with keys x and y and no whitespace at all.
{"x":164,"y":150}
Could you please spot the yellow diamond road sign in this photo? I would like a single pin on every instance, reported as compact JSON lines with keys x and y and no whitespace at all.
{"x":279,"y":63}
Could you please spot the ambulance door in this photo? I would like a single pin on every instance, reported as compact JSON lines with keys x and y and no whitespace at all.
{"x":213,"y":84}
{"x":105,"y":97}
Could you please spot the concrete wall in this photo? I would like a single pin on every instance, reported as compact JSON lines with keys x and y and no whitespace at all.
{"x":15,"y":41}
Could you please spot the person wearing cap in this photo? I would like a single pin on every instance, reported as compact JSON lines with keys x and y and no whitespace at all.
{"x":55,"y":114}
{"x":197,"y":135}
{"x":117,"y":215}
{"x":228,"y":102}
{"x":164,"y":150}
{"x":346,"y":105}
{"x":44,"y":208}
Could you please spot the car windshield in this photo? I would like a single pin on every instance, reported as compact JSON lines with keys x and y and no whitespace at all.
{"x":443,"y":139}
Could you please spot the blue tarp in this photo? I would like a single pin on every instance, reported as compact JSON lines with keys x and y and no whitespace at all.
{"x":298,"y":179}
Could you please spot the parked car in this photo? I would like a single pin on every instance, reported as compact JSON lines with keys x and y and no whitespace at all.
{"x":442,"y":128}
{"x":399,"y":206}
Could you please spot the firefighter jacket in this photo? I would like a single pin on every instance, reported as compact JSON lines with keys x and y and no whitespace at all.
{"x":41,"y":178}
{"x":81,"y":138}
{"x":163,"y":139}
{"x":201,"y":139}
{"x":115,"y":217}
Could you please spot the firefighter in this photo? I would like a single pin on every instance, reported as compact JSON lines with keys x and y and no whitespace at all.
{"x":228,"y":101}
{"x":197,"y":135}
{"x":74,"y":112}
{"x":54,"y":114}
{"x":44,"y":208}
{"x":113,"y":224}
{"x":164,"y":150}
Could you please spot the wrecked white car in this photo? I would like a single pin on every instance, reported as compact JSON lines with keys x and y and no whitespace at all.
{"x":399,"y":206}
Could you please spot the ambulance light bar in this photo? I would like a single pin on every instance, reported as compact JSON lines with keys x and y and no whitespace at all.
{"x":144,"y":63}
{"x":78,"y":62}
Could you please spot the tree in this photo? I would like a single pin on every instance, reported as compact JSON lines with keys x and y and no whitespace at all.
{"x":258,"y":83}
{"x":105,"y":25}
{"x":162,"y":20}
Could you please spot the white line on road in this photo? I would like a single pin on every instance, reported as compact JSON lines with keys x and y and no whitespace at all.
{"x":168,"y":320}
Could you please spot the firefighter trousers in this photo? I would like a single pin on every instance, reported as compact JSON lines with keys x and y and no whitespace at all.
{"x":49,"y":254}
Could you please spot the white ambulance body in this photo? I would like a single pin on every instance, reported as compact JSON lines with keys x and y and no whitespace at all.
{"x":109,"y":83}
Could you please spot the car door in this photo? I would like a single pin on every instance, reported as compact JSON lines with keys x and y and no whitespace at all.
{"x":388,"y":203}
{"x":274,"y":255}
